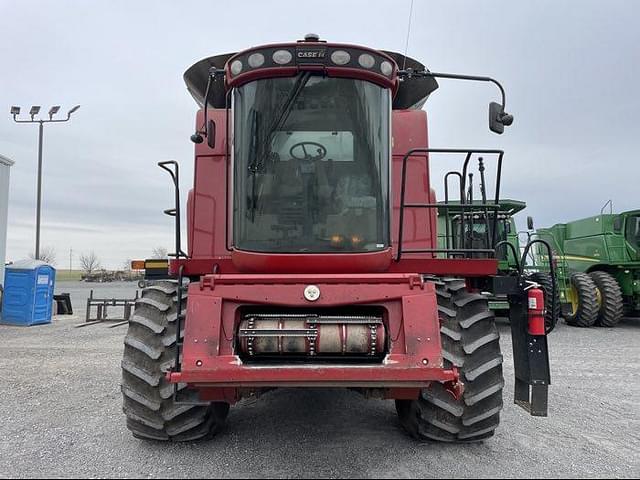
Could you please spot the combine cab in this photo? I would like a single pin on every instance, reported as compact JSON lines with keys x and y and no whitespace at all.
{"x":452,"y":229}
{"x":313,"y":259}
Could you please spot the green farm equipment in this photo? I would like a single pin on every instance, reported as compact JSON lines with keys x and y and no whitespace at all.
{"x":449,"y":228}
{"x":476,"y":230}
{"x":598,"y":267}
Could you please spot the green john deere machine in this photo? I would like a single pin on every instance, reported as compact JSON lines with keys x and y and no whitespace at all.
{"x":598,"y":267}
{"x":480,"y":229}
{"x":477,"y":230}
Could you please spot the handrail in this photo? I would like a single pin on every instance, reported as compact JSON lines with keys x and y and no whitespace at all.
{"x":463,"y":206}
{"x":174,"y":212}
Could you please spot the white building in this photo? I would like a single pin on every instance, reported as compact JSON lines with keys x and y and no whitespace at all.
{"x":5,"y":165}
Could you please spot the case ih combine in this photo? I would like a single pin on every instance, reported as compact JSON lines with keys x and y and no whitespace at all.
{"x":312,"y":256}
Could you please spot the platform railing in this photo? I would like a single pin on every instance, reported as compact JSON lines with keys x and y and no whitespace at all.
{"x":466,"y":210}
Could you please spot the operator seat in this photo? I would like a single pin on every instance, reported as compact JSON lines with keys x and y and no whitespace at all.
{"x":354,"y":212}
{"x":354,"y":191}
{"x":289,"y":190}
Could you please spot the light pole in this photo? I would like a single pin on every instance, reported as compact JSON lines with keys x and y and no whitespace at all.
{"x":15,"y":111}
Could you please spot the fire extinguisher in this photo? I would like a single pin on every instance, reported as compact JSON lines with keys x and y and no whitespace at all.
{"x":535,"y":297}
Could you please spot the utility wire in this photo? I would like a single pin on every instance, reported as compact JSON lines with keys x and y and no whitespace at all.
{"x":406,"y":47}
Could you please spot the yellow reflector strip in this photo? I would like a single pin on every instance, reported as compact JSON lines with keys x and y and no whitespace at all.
{"x":156,"y":264}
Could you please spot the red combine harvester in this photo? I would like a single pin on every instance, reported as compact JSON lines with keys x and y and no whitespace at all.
{"x":312,"y":256}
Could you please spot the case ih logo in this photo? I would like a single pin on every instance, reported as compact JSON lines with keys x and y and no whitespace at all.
{"x":307,"y":54}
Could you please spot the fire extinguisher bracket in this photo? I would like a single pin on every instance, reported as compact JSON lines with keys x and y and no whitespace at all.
{"x":531,"y":361}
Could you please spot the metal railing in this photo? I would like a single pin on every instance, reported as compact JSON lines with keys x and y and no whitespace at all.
{"x":466,"y":211}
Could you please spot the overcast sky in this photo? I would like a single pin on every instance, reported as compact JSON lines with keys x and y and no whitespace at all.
{"x":571,"y":71}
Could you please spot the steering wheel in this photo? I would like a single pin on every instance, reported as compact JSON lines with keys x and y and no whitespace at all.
{"x":322,"y":151}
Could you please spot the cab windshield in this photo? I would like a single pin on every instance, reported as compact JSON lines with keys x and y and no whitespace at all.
{"x":478,"y":235}
{"x":311,"y":165}
{"x":632,"y":232}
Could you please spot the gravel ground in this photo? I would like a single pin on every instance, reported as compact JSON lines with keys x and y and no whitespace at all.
{"x":61,"y":417}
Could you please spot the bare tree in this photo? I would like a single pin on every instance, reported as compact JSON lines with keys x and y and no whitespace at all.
{"x":47,"y":255}
{"x":159,"y":253}
{"x":126,"y":265}
{"x":89,"y":262}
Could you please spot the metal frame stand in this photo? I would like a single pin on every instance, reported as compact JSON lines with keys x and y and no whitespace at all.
{"x":102,"y":315}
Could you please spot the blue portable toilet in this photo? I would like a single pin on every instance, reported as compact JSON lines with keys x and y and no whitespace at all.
{"x":28,"y":293}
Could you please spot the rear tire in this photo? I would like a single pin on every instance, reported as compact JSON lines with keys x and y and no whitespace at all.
{"x":149,"y":352}
{"x":552,"y":310}
{"x":611,"y":304}
{"x":585,"y":313}
{"x":471,"y":342}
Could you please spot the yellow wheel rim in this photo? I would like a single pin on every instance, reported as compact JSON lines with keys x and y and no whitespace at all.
{"x":598,"y":298}
{"x":573,"y":299}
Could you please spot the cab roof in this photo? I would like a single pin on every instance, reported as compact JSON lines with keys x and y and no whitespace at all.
{"x":411,"y":95}
{"x":507,"y":206}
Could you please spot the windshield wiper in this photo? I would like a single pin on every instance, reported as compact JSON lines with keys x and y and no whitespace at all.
{"x":253,"y":161}
{"x":257,"y":154}
{"x":280,"y":118}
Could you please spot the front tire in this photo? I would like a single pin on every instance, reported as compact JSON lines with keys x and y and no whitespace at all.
{"x":471,"y":342}
{"x":611,"y":304}
{"x":149,"y":351}
{"x":584,"y":303}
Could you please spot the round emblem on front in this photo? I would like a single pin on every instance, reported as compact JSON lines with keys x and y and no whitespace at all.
{"x":312,"y":293}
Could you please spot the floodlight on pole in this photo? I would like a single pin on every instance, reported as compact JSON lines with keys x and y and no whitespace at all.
{"x":35,"y":109}
{"x":53,"y":110}
{"x":73,"y":110}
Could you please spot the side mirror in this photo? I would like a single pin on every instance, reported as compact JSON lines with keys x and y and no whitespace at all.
{"x":211,"y":133}
{"x":530,"y":222}
{"x":498,"y":118}
{"x":617,"y":224}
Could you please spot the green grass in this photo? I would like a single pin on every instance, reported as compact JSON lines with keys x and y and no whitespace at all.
{"x":68,"y":275}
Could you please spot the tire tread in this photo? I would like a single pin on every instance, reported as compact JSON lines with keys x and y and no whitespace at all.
{"x":150,"y":346}
{"x":470,"y":341}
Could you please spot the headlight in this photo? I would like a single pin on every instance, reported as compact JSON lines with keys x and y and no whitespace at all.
{"x":255,"y":60}
{"x":386,"y":68}
{"x":337,"y":241}
{"x":236,"y":67}
{"x":356,"y":241}
{"x":365,"y":60}
{"x":340,"y":57}
{"x":282,"y":57}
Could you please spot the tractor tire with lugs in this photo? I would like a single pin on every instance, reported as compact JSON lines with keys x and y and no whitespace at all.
{"x":586,"y":312}
{"x":471,"y":342}
{"x":611,"y":304}
{"x":552,"y":309}
{"x":149,"y":352}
